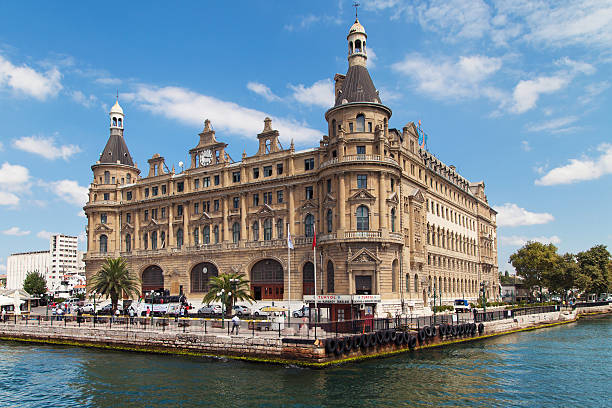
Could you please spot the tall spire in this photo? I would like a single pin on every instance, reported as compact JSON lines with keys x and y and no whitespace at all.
{"x":116,"y":151}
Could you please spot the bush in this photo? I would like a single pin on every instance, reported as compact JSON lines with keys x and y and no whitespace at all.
{"x":438,"y":309}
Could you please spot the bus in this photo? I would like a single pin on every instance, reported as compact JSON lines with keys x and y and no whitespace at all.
{"x":159,"y":306}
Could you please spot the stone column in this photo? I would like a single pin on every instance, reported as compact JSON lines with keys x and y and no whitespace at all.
{"x":170,"y":237}
{"x":117,"y":244}
{"x":136,"y":230}
{"x":341,"y":203}
{"x":225,"y":215}
{"x":382,"y":217}
{"x":186,"y":232}
{"x":291,"y":211}
{"x":243,"y":214}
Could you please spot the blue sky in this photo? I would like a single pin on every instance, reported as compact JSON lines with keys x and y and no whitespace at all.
{"x":515,"y":93}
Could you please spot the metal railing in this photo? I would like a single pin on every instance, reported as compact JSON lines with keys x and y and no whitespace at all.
{"x":512,"y":313}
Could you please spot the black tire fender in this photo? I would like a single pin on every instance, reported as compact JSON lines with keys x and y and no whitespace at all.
{"x":412,"y":341}
{"x":434,"y":331}
{"x":330,"y":345}
{"x":442,"y":330}
{"x":372,"y":340}
{"x":399,"y":338}
{"x":481,"y":328}
{"x":356,"y":342}
{"x":393,"y":336}
{"x":365,"y":341}
{"x":339,"y":347}
{"x":348,"y":344}
{"x":421,"y":335}
{"x":380,"y":336}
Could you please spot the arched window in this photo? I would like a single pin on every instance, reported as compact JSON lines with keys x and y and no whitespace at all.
{"x":128,"y":178}
{"x":358,"y":46}
{"x":200,"y":276}
{"x":128,"y":243}
{"x":154,"y":240}
{"x":279,"y":229}
{"x":145,"y":239}
{"x":330,"y":221}
{"x":407,"y":282}
{"x":416,"y":282}
{"x":393,"y":220}
{"x":236,"y":232}
{"x":196,"y":236}
{"x":216,"y":233}
{"x":268,"y":229}
{"x":360,"y":123}
{"x":162,"y":238}
{"x":394,"y":276}
{"x":255,"y":230}
{"x":330,"y":277}
{"x":206,"y":235}
{"x":308,"y":279}
{"x":120,"y":124}
{"x":309,"y":225}
{"x":350,"y":47}
{"x":106,"y":177}
{"x":363,"y":219}
{"x":103,"y":244}
{"x":114,"y":121}
{"x":333,"y":128}
{"x":179,"y":237}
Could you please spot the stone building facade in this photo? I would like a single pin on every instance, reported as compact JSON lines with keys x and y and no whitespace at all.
{"x":392,"y":221}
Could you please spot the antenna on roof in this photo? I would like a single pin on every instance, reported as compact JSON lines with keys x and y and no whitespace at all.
{"x":356,"y":4}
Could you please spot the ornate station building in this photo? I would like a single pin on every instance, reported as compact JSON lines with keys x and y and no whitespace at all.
{"x":396,"y":228}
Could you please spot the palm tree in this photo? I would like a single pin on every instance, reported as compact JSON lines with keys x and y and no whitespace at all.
{"x":227,"y":288}
{"x":114,"y":280}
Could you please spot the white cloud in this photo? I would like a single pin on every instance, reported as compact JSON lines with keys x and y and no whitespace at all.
{"x":321,"y":93}
{"x":446,"y":78}
{"x":80,"y":98}
{"x":262,"y":90}
{"x":527,"y":92}
{"x":580,"y":169}
{"x":576,"y":66}
{"x":511,"y":215}
{"x":372,"y":58}
{"x":525,"y":146}
{"x":45,"y":234}
{"x":517,"y":241}
{"x":15,"y":231}
{"x":108,"y":81}
{"x":192,"y":108}
{"x":82,"y":237}
{"x":591,"y":91}
{"x":70,"y":191}
{"x":13,"y":177}
{"x":456,"y":19}
{"x":24,"y":80}
{"x":7,"y":198}
{"x":1,"y":147}
{"x":45,"y":147}
{"x":309,"y":20}
{"x":81,"y":214}
{"x":2,"y":268}
{"x":557,"y":125}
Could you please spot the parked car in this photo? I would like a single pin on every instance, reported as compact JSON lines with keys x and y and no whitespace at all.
{"x":461,"y":306}
{"x":261,"y":312}
{"x":210,"y":310}
{"x":89,"y":308}
{"x":106,"y":310}
{"x":303,"y":311}
{"x":241,"y":310}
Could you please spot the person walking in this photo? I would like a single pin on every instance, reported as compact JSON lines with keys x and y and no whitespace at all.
{"x":235,"y":324}
{"x":131,"y":312}
{"x":3,"y":315}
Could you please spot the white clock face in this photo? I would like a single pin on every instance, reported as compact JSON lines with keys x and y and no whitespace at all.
{"x":205,"y":157}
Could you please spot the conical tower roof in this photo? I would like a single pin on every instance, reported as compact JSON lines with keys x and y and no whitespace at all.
{"x":116,"y":150}
{"x":357,"y":87}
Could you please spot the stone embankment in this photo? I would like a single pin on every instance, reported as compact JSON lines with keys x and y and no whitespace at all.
{"x":287,"y":350}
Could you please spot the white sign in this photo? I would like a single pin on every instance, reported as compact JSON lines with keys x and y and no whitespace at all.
{"x":366,"y":298}
{"x":342,"y":299}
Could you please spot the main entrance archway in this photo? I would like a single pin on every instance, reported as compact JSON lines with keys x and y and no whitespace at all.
{"x":200,"y":276}
{"x":152,"y":279}
{"x":267,"y":280}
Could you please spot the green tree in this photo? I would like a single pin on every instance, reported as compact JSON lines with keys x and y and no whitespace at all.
{"x":533,"y":261}
{"x":593,"y":274}
{"x":228,"y":288}
{"x":35,"y":284}
{"x":561,"y":279}
{"x":114,"y":280}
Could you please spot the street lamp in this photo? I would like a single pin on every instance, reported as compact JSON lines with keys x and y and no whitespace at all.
{"x":234,"y":283}
{"x":223,"y":295}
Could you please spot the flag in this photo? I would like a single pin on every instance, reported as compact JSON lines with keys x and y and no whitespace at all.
{"x":289,"y":240}
{"x":314,"y":236}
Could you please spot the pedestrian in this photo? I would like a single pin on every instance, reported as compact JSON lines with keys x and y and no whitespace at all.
{"x":117,"y":314}
{"x":79,"y":314}
{"x":148,"y":311}
{"x":131,"y":312}
{"x":235,"y":324}
{"x":3,"y":315}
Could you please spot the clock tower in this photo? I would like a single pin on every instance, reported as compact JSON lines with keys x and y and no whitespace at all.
{"x":209,"y":151}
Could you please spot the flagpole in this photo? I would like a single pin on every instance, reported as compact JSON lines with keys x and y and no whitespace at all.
{"x":314,"y":259}
{"x":289,"y":267}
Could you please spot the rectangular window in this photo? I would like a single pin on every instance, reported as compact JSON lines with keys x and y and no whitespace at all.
{"x":267,"y":198}
{"x":179,"y":210}
{"x":236,"y":203}
{"x":279,"y":169}
{"x":128,"y":218}
{"x":106,"y":196}
{"x":361,"y":150}
{"x":267,"y":171}
{"x":216,"y":179}
{"x":196,"y":208}
{"x":146,"y":215}
{"x":103,"y":218}
{"x":216,"y":205}
{"x":146,"y":192}
{"x":350,"y":127}
{"x":279,"y":196}
{"x":309,"y":193}
{"x":236,"y":177}
{"x":255,"y":200}
{"x":163,"y":189}
{"x":196,"y":184}
{"x":329,"y":186}
{"x":128,"y":196}
{"x":370,"y":127}
{"x":180,"y":186}
{"x":362,"y":181}
{"x":163,"y":213}
{"x":256,"y":172}
{"x":154,"y":191}
{"x":309,"y":164}
{"x":154,"y":213}
{"x":392,"y":184}
{"x":206,"y":182}
{"x":206,"y":206}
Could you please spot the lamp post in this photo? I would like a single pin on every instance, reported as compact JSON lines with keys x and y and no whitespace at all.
{"x":234,"y":283}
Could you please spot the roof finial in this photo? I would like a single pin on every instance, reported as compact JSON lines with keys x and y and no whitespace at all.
{"x":356,"y":5}
{"x":117,"y":94}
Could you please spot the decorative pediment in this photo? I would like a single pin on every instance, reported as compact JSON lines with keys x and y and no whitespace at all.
{"x":363,"y":256}
{"x":265,"y":211}
{"x":416,"y":195}
{"x":103,"y":228}
{"x":152,"y":225}
{"x":329,"y":201}
{"x":127,"y":227}
{"x":308,"y":206}
{"x":362,"y":195}
{"x":393,"y":198}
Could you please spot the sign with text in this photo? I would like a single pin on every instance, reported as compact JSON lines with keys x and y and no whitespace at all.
{"x":366,"y":299}
{"x":336,"y":299}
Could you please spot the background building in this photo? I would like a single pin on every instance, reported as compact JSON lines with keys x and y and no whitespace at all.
{"x":396,"y":228}
{"x":19,"y":265}
{"x":66,"y":259}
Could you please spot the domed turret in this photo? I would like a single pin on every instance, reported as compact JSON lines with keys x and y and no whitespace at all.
{"x":116,"y":116}
{"x":356,"y":37}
